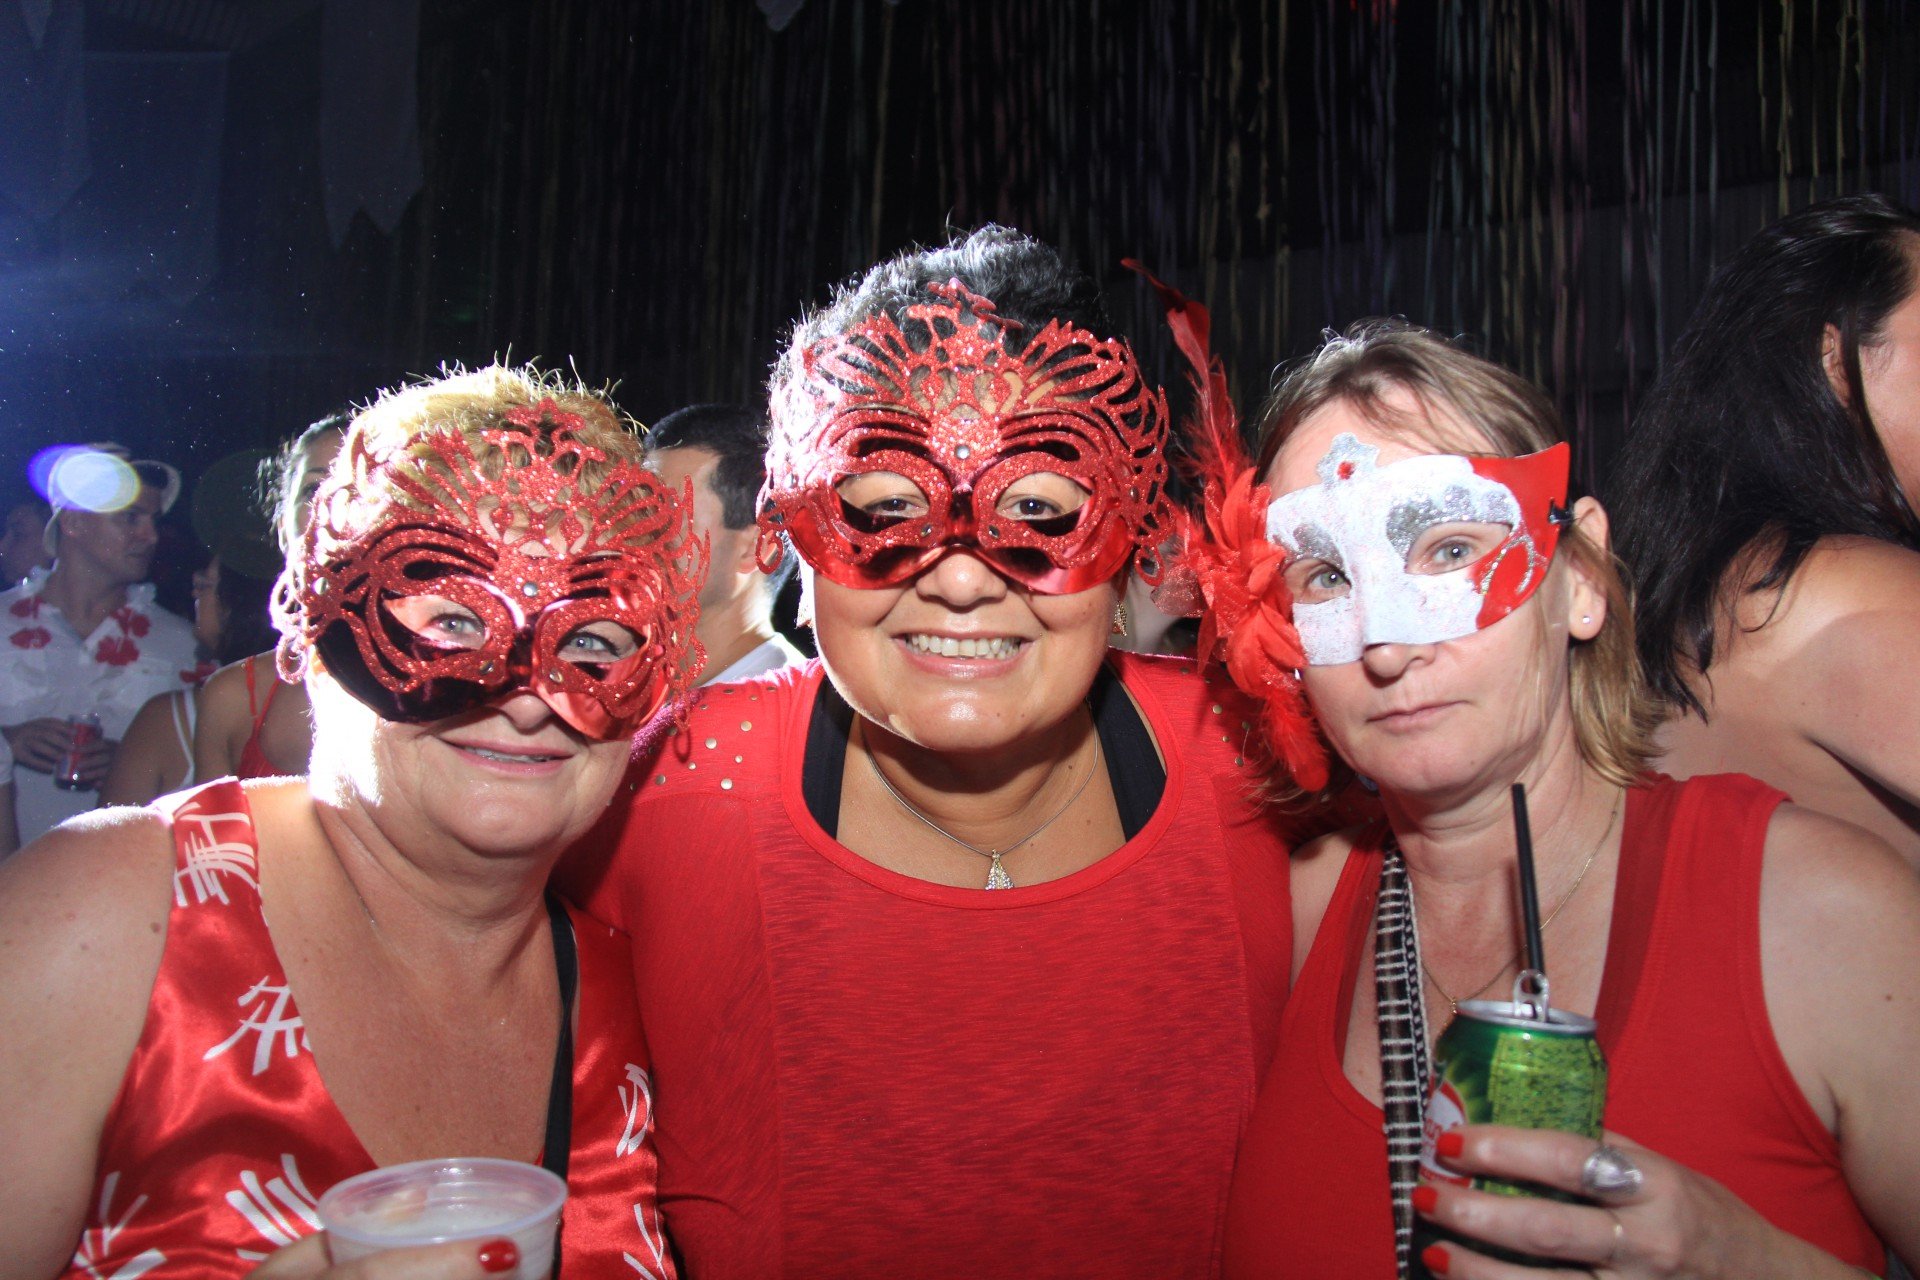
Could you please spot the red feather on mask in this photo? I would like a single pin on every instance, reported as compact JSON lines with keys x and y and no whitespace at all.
{"x":1246,"y":618}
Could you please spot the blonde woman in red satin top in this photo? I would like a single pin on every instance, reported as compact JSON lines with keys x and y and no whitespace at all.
{"x":218,"y":1006}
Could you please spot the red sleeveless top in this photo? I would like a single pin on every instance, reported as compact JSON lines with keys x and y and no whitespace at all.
{"x":253,"y":762}
{"x":223,"y":1136}
{"x":1695,"y":1073}
{"x":867,"y":1075}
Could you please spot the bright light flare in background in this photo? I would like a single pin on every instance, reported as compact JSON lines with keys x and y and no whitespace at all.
{"x":87,"y":479}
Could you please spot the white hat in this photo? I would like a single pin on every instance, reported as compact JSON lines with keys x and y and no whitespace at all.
{"x":102,"y":477}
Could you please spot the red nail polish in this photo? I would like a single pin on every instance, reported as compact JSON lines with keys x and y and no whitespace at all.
{"x":499,"y":1255}
{"x":1425,"y":1198}
{"x":1449,"y":1144}
{"x":1436,"y":1259}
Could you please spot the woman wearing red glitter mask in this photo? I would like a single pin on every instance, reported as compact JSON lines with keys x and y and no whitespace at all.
{"x":219,"y":1006}
{"x":961,"y":949}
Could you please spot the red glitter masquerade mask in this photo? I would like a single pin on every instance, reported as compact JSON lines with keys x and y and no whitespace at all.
{"x":429,"y":589}
{"x":902,"y":441}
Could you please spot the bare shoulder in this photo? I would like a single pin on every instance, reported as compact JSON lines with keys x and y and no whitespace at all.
{"x":1861,"y":564}
{"x":1835,"y":658}
{"x":1840,"y":941}
{"x":226,"y":715}
{"x":1827,"y":878}
{"x":225,"y":692}
{"x":1316,"y":869}
{"x":90,"y":897}
{"x":1843,"y":577}
{"x":83,"y":914}
{"x":155,"y":714}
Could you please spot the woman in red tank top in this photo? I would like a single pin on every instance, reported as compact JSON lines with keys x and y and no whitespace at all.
{"x":1748,"y":962}
{"x":251,"y":724}
{"x":220,"y":1007}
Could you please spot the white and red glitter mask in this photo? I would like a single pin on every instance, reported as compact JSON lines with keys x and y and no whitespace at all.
{"x":1419,"y":551}
{"x":428,"y":588}
{"x":964,"y":405}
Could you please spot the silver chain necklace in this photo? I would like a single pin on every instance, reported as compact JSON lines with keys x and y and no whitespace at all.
{"x":997,"y":877}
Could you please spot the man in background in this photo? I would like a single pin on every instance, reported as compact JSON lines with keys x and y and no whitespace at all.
{"x":86,"y":638}
{"x":722,"y":448}
{"x":23,"y":530}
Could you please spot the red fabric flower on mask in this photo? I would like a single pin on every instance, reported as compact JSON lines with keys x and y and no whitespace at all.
{"x":1246,"y":621}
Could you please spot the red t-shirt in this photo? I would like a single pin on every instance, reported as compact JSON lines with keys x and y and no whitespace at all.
{"x":863,"y":1074}
{"x":1694,"y":1072}
{"x":223,"y":1136}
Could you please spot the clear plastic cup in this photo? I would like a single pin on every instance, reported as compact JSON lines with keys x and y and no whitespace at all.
{"x":435,"y":1201}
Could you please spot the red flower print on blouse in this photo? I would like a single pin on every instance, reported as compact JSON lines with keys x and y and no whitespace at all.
{"x":132,"y":622}
{"x":31,"y":637}
{"x":116,"y":651}
{"x":26,"y":607}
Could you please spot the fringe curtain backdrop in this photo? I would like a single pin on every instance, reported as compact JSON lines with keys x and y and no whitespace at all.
{"x":655,"y":191}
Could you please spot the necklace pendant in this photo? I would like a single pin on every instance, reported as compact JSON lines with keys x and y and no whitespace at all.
{"x":998,"y":878}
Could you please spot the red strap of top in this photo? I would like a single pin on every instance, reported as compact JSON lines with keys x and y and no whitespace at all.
{"x":253,"y":762}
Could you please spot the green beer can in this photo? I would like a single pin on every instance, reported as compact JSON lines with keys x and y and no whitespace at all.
{"x":1512,"y":1064}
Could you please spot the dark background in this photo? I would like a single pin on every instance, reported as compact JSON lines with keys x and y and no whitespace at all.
{"x":221,"y":218}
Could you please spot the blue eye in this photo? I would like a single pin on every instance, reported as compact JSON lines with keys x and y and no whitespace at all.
{"x":1314,"y":581}
{"x":599,"y":644}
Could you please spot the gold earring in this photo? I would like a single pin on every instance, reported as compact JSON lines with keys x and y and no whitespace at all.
{"x":1120,"y":618}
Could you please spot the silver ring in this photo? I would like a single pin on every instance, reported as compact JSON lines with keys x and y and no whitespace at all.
{"x":1619,"y":1237}
{"x":1609,"y":1174}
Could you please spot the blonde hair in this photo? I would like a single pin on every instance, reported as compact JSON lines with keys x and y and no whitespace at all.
{"x":390,"y":457}
{"x":474,"y":404}
{"x":1614,"y":714}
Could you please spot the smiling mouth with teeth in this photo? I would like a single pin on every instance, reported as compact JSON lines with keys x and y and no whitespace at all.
{"x":504,"y":757}
{"x":948,"y":647}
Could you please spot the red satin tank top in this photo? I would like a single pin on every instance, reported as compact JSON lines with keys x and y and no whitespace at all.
{"x":223,"y":1135}
{"x":1695,"y":1072}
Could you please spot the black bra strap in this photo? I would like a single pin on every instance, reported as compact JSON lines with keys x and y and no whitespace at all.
{"x":566,"y":961}
{"x":1134,"y":770}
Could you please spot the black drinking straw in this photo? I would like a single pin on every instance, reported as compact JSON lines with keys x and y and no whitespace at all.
{"x":1529,"y":890}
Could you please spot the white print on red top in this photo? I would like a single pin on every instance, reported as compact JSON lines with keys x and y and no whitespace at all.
{"x":96,"y":1245}
{"x":281,"y":1209}
{"x":272,"y":1019}
{"x":637,"y":1102}
{"x":208,"y":857}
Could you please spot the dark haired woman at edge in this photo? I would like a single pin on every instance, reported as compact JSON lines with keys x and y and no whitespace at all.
{"x":1764,"y":507}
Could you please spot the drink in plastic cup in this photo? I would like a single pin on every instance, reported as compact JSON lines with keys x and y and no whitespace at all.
{"x":435,"y":1201}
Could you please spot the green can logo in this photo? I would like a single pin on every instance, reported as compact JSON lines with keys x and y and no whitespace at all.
{"x":1500,"y":1064}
